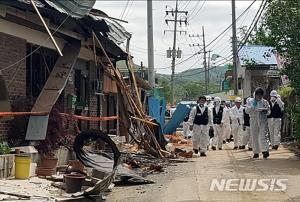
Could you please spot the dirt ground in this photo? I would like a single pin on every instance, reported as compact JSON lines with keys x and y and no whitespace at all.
{"x":191,"y":181}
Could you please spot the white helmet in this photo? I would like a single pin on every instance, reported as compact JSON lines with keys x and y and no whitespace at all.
{"x":273,"y":93}
{"x":208,"y":98}
{"x":217,"y":99}
{"x":238,"y":99}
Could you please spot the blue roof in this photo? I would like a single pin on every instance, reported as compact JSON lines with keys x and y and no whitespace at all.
{"x":257,"y":55}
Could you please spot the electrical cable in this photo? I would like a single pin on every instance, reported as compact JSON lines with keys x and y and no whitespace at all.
{"x":192,"y":17}
{"x":124,"y":10}
{"x":224,"y":31}
{"x":25,"y":57}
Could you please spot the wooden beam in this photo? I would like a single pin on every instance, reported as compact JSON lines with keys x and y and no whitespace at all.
{"x":46,"y":27}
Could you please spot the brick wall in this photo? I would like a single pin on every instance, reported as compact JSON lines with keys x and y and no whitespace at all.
{"x":12,"y":49}
{"x":93,"y":107}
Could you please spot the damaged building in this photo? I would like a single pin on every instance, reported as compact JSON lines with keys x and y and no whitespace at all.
{"x":31,"y":66}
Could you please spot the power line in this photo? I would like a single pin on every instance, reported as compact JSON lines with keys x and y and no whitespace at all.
{"x":228,"y":58}
{"x":192,"y":17}
{"x":124,"y":10}
{"x":128,"y":10}
{"x":254,"y":22}
{"x":217,"y":36}
{"x":195,"y":7}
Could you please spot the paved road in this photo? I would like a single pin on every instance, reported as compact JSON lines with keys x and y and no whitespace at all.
{"x":191,"y":181}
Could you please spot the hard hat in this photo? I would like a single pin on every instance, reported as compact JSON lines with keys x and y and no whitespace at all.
{"x":238,"y":99}
{"x":217,"y":99}
{"x":273,"y":93}
{"x":208,"y":98}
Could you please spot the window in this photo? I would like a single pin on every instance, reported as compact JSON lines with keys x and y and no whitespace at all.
{"x":38,"y":68}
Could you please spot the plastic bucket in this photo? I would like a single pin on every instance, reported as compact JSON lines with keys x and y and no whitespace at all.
{"x":22,"y":168}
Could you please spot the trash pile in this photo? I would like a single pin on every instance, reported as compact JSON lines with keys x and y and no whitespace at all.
{"x":179,"y":146}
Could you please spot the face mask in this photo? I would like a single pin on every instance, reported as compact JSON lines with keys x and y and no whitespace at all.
{"x":217,"y":103}
{"x":273,"y":99}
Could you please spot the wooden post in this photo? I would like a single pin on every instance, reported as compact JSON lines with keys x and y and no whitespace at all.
{"x":45,"y":25}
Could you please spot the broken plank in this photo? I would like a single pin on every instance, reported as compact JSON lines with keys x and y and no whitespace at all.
{"x":57,"y":80}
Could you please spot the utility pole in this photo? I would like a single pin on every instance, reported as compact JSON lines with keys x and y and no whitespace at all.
{"x":234,"y":49}
{"x":151,"y":73}
{"x":208,"y":67}
{"x":173,"y":52}
{"x":205,"y":64}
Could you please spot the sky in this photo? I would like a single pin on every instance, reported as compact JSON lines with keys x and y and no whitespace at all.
{"x":215,"y":16}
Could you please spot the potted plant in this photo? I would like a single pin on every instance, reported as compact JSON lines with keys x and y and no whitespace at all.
{"x":61,"y":131}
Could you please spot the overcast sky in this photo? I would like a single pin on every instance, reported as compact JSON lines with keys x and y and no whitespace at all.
{"x":215,"y":16}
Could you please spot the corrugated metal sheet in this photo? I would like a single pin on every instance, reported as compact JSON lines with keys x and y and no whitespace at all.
{"x":256,"y":54}
{"x":74,"y":8}
{"x":177,"y":118}
{"x":117,"y":33}
{"x":37,"y":3}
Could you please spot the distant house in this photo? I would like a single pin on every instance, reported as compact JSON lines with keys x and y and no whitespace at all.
{"x":258,"y":67}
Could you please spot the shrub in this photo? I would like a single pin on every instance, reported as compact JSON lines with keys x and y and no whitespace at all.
{"x":4,"y":149}
{"x":18,"y":126}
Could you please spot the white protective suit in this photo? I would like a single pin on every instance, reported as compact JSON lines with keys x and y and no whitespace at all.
{"x":200,"y":136}
{"x":186,"y":125}
{"x":237,"y":117}
{"x":258,"y":124}
{"x":186,"y":129}
{"x":247,"y":138}
{"x":274,"y":124}
{"x":218,"y":128}
{"x":227,"y":125}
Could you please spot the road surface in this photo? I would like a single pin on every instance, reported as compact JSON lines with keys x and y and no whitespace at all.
{"x":191,"y":181}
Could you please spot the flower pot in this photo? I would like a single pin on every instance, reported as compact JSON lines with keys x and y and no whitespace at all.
{"x":48,"y":162}
{"x":44,"y":171}
{"x":76,"y":164}
{"x":74,"y":182}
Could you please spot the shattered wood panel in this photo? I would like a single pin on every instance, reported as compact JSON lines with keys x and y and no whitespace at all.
{"x":109,"y":85}
{"x":37,"y":126}
{"x":6,"y":165}
{"x":58,"y":78}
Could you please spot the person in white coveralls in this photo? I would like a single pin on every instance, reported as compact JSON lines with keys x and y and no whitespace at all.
{"x":258,"y":108}
{"x":200,"y":120}
{"x":237,"y":118}
{"x":275,"y":118}
{"x":218,"y":124}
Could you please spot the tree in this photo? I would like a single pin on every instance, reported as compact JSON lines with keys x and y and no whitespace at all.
{"x":280,"y":29}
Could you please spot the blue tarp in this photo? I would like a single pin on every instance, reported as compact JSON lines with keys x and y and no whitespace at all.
{"x":177,"y":117}
{"x":154,"y":108}
{"x":157,"y":109}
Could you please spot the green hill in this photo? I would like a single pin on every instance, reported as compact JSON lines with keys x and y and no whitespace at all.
{"x":216,"y":75}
